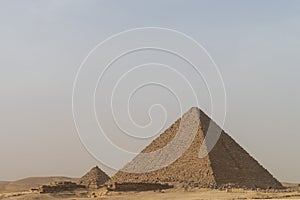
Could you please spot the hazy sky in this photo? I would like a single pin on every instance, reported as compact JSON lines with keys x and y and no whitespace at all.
{"x":256,"y":45}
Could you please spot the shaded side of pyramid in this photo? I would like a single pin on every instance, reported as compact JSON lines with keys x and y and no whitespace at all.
{"x":227,"y":164}
{"x":94,"y":178}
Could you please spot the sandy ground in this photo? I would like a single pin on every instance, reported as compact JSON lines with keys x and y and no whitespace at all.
{"x":165,"y":195}
{"x":180,"y":194}
{"x":28,"y":183}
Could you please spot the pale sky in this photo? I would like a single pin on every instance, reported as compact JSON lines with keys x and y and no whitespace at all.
{"x":254,"y":43}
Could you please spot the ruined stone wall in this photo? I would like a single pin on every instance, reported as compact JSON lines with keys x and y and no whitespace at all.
{"x":60,"y":187}
{"x":138,"y":186}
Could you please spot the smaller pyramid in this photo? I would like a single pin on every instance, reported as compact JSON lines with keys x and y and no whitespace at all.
{"x":94,"y":178}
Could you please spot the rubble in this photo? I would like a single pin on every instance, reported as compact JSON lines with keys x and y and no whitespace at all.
{"x":56,"y":187}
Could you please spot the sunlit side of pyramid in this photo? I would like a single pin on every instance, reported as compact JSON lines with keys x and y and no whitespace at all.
{"x":228,"y":164}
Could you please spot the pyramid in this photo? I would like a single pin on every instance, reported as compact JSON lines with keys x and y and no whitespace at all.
{"x":226,"y":165}
{"x":94,"y":178}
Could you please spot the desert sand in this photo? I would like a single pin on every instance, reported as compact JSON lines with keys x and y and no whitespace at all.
{"x":292,"y":191}
{"x":164,"y":195}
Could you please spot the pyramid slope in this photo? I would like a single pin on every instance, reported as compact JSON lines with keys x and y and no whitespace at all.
{"x":94,"y":178}
{"x":227,"y":163}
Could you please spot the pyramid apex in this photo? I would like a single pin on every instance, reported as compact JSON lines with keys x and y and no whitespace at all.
{"x":194,"y":108}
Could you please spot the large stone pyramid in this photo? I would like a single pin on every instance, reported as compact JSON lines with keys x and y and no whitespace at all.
{"x":94,"y":178}
{"x":226,"y":165}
